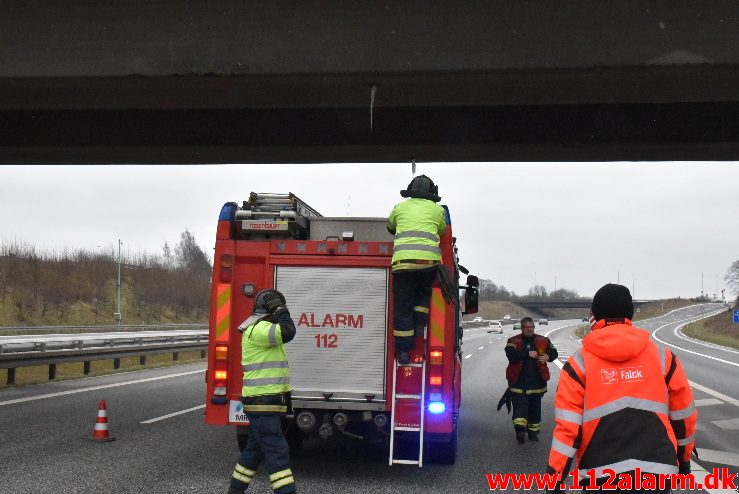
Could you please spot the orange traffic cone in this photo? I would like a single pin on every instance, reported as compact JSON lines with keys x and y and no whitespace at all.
{"x":100,"y":433}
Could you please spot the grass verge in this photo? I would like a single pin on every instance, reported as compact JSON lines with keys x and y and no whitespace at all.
{"x":718,"y":329}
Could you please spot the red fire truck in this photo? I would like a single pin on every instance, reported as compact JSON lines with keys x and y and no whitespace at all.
{"x":335,"y":275}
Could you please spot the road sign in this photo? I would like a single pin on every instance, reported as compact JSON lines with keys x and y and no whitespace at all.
{"x":736,"y":316}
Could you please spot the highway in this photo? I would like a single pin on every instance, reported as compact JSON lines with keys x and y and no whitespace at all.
{"x":162,"y":445}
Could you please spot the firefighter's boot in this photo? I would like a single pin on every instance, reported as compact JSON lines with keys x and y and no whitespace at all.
{"x":235,"y":490}
{"x":403,"y":358}
{"x":533,"y":435}
{"x":520,"y":435}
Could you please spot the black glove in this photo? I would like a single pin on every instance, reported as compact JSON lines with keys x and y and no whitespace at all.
{"x":684,"y":467}
{"x":279,"y":310}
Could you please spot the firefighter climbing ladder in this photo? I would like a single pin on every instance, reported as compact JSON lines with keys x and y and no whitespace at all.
{"x":422,"y":412}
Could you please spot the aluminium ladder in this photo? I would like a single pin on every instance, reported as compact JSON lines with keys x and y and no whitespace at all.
{"x":421,"y":398}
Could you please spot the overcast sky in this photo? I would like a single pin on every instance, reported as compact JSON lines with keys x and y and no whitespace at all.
{"x":654,"y":226}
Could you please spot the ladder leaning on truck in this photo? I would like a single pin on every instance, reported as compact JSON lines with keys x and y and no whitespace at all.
{"x":334,"y":273}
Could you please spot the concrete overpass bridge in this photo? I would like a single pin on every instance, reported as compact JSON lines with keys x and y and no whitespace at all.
{"x":540,"y":305}
{"x":241,"y":81}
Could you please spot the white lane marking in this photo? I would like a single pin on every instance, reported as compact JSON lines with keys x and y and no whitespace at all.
{"x":654,"y":335}
{"x":708,"y":401}
{"x":679,"y":333}
{"x":700,"y":474}
{"x":716,"y":394}
{"x":727,"y":425}
{"x":722,"y":457}
{"x":468,"y":356}
{"x":157,"y":419}
{"x":93,"y":388}
{"x":481,"y":348}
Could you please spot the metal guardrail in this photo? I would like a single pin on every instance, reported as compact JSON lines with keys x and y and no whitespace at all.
{"x":119,"y":327}
{"x":52,"y":349}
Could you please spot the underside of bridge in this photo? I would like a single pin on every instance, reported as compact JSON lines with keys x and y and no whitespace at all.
{"x":226,"y":81}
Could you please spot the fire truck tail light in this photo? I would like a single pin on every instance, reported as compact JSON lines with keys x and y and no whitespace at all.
{"x":227,"y":260}
{"x":221,"y":375}
{"x":437,"y":407}
{"x":436,"y":357}
{"x":435,"y":381}
{"x":221,"y":352}
{"x":226,"y":275}
{"x":219,"y":391}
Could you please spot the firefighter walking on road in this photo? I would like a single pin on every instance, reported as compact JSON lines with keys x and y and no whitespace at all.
{"x":417,"y":224}
{"x":527,"y":375}
{"x":623,"y":402}
{"x":265,"y":393}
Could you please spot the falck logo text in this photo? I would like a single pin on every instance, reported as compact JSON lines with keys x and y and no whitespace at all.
{"x":625,"y":375}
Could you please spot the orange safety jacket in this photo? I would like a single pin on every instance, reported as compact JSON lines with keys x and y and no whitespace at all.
{"x":623,"y":402}
{"x":513,"y":371}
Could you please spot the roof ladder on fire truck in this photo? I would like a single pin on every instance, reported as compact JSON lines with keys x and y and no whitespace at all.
{"x":421,"y":398}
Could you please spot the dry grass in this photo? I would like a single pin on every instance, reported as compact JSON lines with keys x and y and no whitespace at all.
{"x":38,"y":374}
{"x":718,"y":329}
{"x":661,"y":307}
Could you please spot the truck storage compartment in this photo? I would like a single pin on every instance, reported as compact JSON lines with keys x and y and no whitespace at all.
{"x":339,"y":349}
{"x":363,"y":229}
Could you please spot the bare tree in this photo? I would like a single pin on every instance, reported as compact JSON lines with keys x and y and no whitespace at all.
{"x":732,"y":277}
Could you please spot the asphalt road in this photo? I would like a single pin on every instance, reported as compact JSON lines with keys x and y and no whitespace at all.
{"x":46,"y":443}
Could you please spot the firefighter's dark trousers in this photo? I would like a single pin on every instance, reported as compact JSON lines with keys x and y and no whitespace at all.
{"x":526,"y":410}
{"x":411,"y":298}
{"x":266,"y":442}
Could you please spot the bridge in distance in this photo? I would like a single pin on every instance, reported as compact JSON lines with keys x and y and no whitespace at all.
{"x":233,"y":81}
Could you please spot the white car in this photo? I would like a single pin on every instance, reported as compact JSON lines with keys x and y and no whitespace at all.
{"x":543,"y":322}
{"x":495,"y":327}
{"x":507,"y":317}
{"x":477,"y":319}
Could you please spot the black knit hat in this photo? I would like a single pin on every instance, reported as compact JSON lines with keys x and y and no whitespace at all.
{"x":612,"y":301}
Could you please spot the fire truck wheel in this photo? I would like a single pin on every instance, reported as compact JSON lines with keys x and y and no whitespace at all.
{"x":242,"y":436}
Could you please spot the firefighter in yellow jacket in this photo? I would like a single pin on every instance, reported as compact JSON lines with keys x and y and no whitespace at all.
{"x":623,"y":402}
{"x":265,"y":393}
{"x":417,"y":223}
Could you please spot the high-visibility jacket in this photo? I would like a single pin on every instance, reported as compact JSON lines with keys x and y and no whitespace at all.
{"x":543,"y":346}
{"x":418,"y":225}
{"x":623,"y":402}
{"x":265,"y":366}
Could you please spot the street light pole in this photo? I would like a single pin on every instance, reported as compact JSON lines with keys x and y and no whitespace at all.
{"x":117,"y":314}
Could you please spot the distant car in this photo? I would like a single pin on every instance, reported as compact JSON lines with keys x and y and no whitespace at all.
{"x":517,"y":325}
{"x":507,"y":317}
{"x":495,"y":327}
{"x":477,"y":319}
{"x":585,"y":319}
{"x":543,"y":322}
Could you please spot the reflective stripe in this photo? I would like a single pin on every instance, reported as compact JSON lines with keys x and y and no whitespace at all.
{"x":536,"y":391}
{"x":265,"y":365}
{"x":403,"y":334}
{"x":561,"y":447}
{"x":261,"y":381}
{"x":568,"y":416}
{"x":686,"y":441}
{"x":280,"y":474}
{"x":417,"y":234}
{"x":266,"y":408}
{"x":520,"y":421}
{"x":421,"y":308}
{"x":272,"y":336}
{"x":283,"y":482}
{"x":421,"y":247}
{"x":242,"y":478}
{"x":244,"y":470}
{"x":580,"y":361}
{"x":534,"y":427}
{"x":682,"y":414}
{"x":628,"y":465}
{"x":620,"y":404}
{"x":516,"y":390}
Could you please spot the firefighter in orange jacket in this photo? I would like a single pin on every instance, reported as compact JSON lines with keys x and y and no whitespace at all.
{"x":623,"y":402}
{"x":527,"y":375}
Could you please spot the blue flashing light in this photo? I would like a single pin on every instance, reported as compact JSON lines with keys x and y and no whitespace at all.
{"x":447,"y":216}
{"x":436,"y":407}
{"x":228,"y":211}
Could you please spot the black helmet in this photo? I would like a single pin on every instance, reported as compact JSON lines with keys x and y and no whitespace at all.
{"x":422,"y":187}
{"x":268,"y":300}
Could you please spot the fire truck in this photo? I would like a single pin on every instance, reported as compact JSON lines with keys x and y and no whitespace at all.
{"x":335,"y":275}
